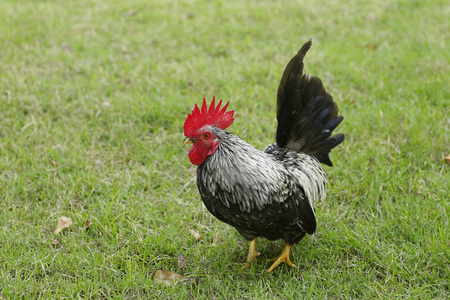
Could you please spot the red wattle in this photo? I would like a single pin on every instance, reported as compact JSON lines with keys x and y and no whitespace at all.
{"x":198,"y":153}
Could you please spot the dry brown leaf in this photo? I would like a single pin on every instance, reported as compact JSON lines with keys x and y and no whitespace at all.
{"x":371,"y":46}
{"x":170,"y":278}
{"x":195,"y":233}
{"x":130,"y":13}
{"x":167,"y":277}
{"x":87,"y":225}
{"x":63,"y":222}
{"x":66,"y":47}
{"x":447,"y":158}
{"x":181,"y":260}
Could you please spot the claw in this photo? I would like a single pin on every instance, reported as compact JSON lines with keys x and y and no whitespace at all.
{"x":283,"y":257}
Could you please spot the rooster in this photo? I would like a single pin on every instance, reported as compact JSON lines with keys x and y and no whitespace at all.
{"x":270,"y":193}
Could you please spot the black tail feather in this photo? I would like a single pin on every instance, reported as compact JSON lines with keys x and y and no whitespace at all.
{"x":306,"y":113}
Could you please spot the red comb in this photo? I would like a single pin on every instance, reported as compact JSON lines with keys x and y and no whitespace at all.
{"x":214,"y":116}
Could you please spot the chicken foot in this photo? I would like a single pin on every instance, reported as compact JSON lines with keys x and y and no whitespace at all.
{"x":283,"y":257}
{"x":252,"y":254}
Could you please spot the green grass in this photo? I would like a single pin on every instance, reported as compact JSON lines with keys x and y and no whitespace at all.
{"x":93,"y":96}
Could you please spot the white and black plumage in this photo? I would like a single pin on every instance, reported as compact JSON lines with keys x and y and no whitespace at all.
{"x":268,"y":193}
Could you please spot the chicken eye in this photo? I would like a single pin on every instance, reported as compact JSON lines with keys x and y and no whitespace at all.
{"x":206,"y":135}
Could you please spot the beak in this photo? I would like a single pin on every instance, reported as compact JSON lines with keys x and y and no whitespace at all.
{"x":189,"y":141}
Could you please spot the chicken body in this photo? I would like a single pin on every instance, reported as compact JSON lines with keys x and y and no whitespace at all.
{"x":268,"y":193}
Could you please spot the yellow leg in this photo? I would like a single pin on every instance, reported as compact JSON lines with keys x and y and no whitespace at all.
{"x":283,"y":257}
{"x":252,"y":254}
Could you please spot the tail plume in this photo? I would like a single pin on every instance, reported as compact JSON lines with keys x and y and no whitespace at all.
{"x":306,"y":113}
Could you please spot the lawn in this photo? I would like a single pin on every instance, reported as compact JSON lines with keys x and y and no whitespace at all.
{"x":93,"y":96}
